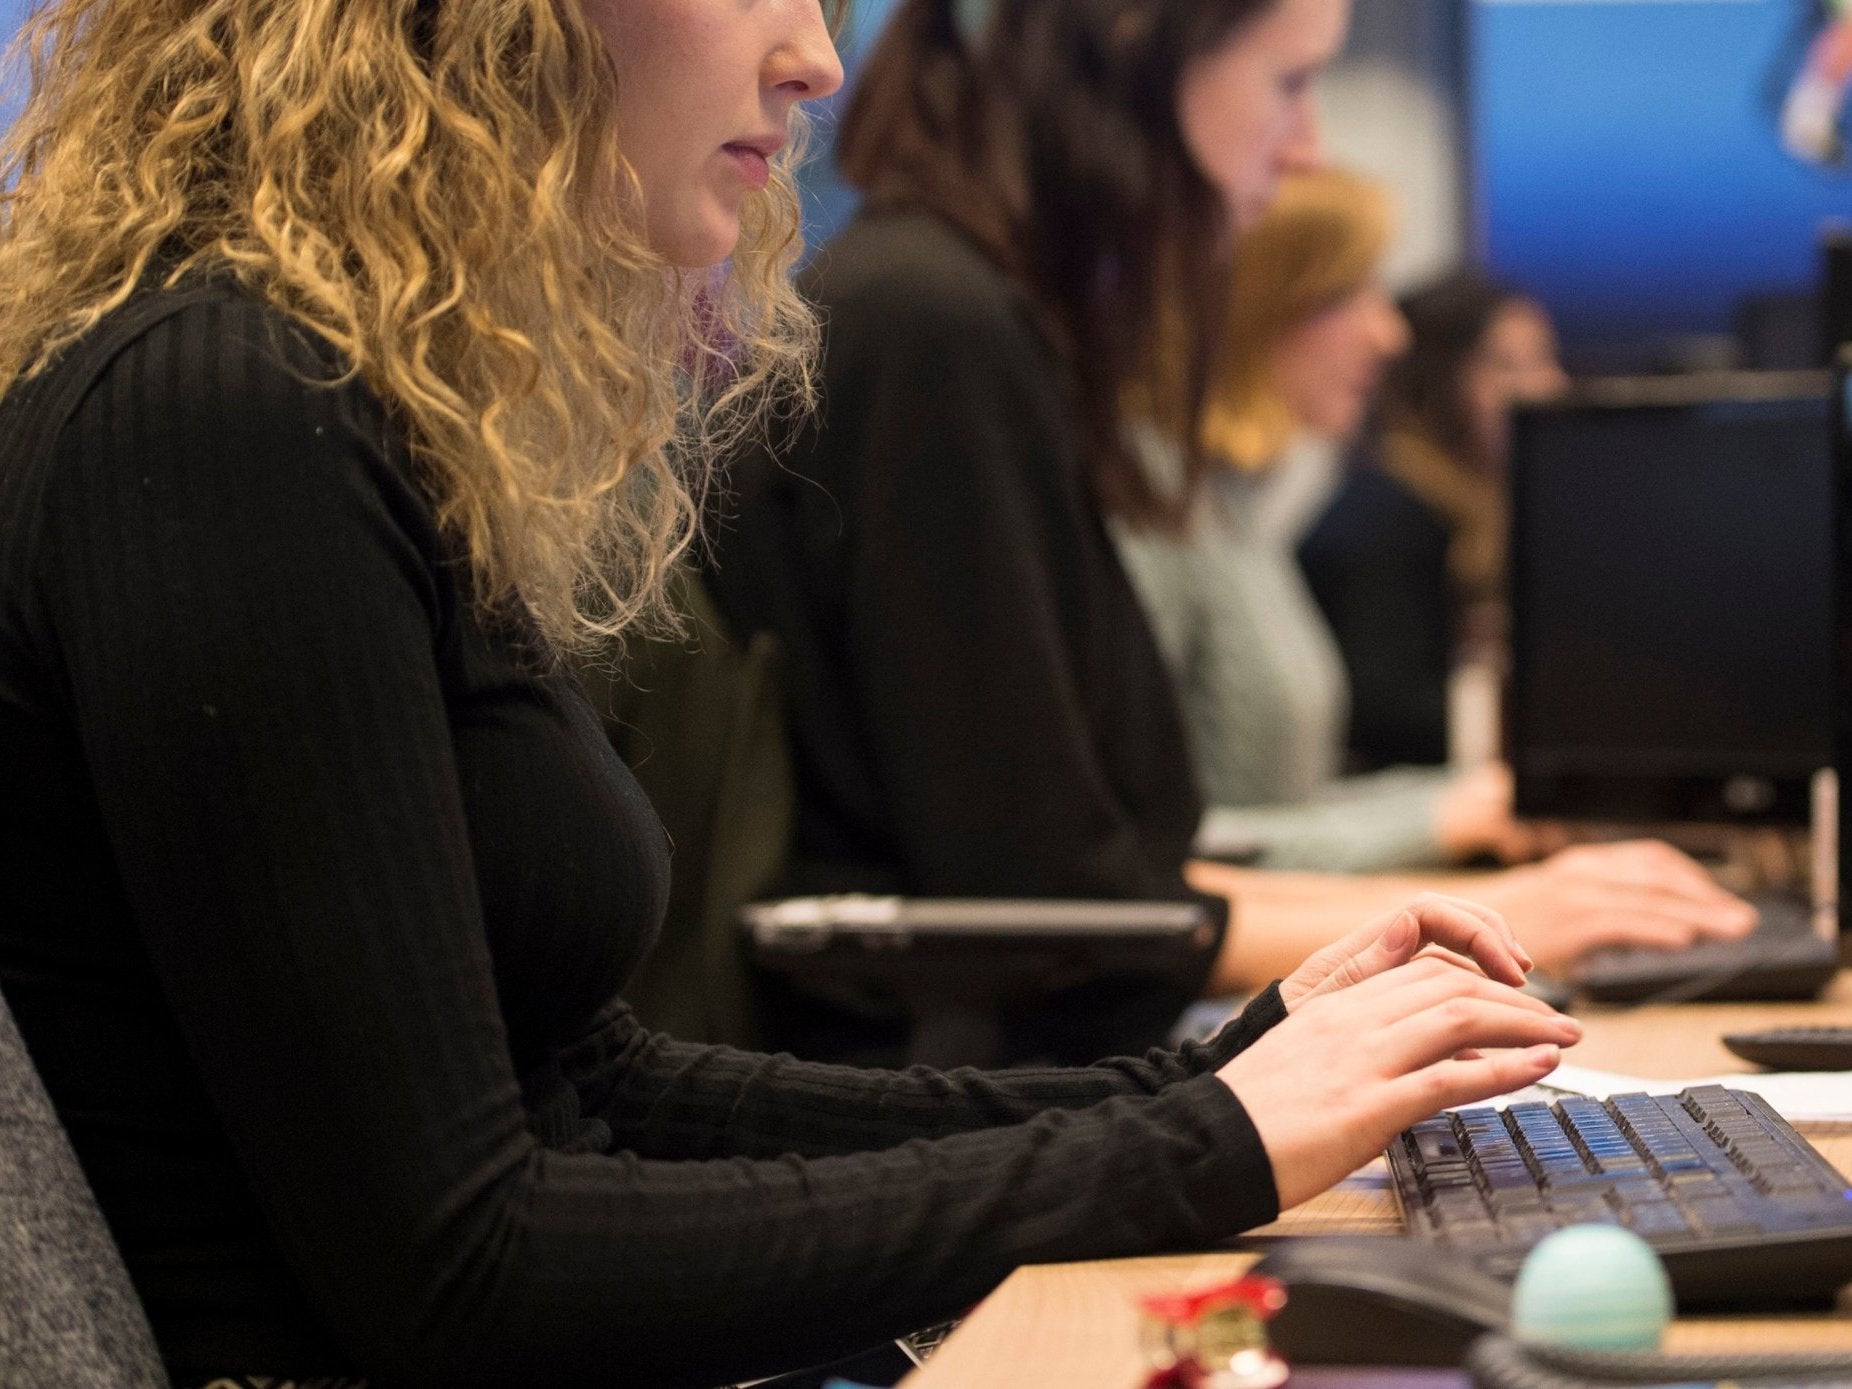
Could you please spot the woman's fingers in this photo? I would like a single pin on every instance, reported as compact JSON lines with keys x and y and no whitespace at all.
{"x":1371,"y":948}
{"x":1656,"y":882}
{"x":1441,"y":1031}
{"x":1468,"y":1080}
{"x":1386,"y":999}
{"x":1469,"y":930}
{"x":1609,"y":913}
{"x":1476,"y":931}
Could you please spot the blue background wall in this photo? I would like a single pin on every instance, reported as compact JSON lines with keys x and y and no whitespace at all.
{"x":828,"y":203}
{"x":1621,"y":154}
{"x":12,"y":13}
{"x":1626,"y":160}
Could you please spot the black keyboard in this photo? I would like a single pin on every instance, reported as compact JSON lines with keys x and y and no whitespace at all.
{"x":1742,"y":1209}
{"x":1782,"y":959}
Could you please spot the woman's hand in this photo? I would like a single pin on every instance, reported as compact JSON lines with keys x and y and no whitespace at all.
{"x":1641,"y":892}
{"x":1354,"y":1065}
{"x":1466,"y":930}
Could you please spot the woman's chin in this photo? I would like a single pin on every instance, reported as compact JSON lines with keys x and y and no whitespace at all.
{"x":698,"y":242}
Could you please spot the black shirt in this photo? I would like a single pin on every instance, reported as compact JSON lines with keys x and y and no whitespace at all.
{"x":320,"y":896}
{"x":977,"y":704}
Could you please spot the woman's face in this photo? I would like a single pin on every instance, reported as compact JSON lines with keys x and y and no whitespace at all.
{"x":1248,"y":109}
{"x":1329,"y":367}
{"x":1514,"y":364}
{"x":705,"y":93}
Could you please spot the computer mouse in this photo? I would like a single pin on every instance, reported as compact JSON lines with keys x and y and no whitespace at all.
{"x":1379,"y":1300}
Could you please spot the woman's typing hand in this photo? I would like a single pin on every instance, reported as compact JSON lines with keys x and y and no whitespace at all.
{"x":1371,"y":1047}
{"x":1638,"y":893}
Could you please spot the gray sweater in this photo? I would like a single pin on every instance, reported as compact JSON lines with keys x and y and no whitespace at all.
{"x":1261,"y":681}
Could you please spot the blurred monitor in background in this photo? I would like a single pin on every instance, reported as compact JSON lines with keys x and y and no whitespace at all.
{"x":1842,"y":602}
{"x":1672,"y":601}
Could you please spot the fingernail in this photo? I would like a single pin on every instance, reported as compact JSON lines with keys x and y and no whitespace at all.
{"x":1400,"y":936}
{"x":1548,"y":1054}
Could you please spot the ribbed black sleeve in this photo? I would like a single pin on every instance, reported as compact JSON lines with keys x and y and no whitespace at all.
{"x":326,"y":892}
{"x":665,"y":1098}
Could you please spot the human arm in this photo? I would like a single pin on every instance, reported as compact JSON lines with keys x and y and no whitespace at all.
{"x":668,"y":1088}
{"x":1262,"y":695}
{"x":1581,"y":899}
{"x":655,"y":1093}
{"x":1401,"y":819}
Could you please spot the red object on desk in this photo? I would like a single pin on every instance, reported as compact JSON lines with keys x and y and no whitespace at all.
{"x":1202,"y":1338}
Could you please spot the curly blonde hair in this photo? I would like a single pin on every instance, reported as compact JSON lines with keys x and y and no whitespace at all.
{"x":434,"y":187}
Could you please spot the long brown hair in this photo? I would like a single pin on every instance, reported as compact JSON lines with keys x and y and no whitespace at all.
{"x":1049,"y":135}
{"x":436,"y":189}
{"x":1448,"y":319}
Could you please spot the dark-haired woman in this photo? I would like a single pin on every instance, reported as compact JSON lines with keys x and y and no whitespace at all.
{"x":978,"y":706}
{"x":1408,"y":562}
{"x":976,"y":702}
{"x":340,"y":346}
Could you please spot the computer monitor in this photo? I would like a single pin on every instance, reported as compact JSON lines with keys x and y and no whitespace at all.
{"x":1672,"y":577}
{"x":1842,"y":606}
{"x":1835,"y":291}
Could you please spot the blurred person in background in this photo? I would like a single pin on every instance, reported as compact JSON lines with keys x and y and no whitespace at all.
{"x":1261,"y":682}
{"x":1311,"y":332}
{"x":1408,"y":562}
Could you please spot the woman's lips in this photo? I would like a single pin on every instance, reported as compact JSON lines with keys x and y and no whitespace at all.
{"x":755,"y":170}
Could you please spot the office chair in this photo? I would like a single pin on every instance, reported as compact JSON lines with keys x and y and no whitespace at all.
{"x":68,"y":1313}
{"x":699,"y":722}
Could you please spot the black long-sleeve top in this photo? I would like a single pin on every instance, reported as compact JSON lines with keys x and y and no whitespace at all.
{"x":1377,"y":563}
{"x":976,"y":701}
{"x":321,"y":896}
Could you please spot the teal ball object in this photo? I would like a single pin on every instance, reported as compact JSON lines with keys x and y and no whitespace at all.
{"x":1592,"y":1287}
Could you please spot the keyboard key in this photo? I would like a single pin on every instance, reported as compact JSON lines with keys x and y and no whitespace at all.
{"x":1650,"y":1218}
{"x":1439,"y":1147}
{"x":1720,"y":1215}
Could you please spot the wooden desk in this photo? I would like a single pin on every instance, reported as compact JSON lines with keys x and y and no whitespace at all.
{"x":1073,"y":1326}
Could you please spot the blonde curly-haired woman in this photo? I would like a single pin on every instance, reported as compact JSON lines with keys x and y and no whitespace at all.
{"x":358,"y":359}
